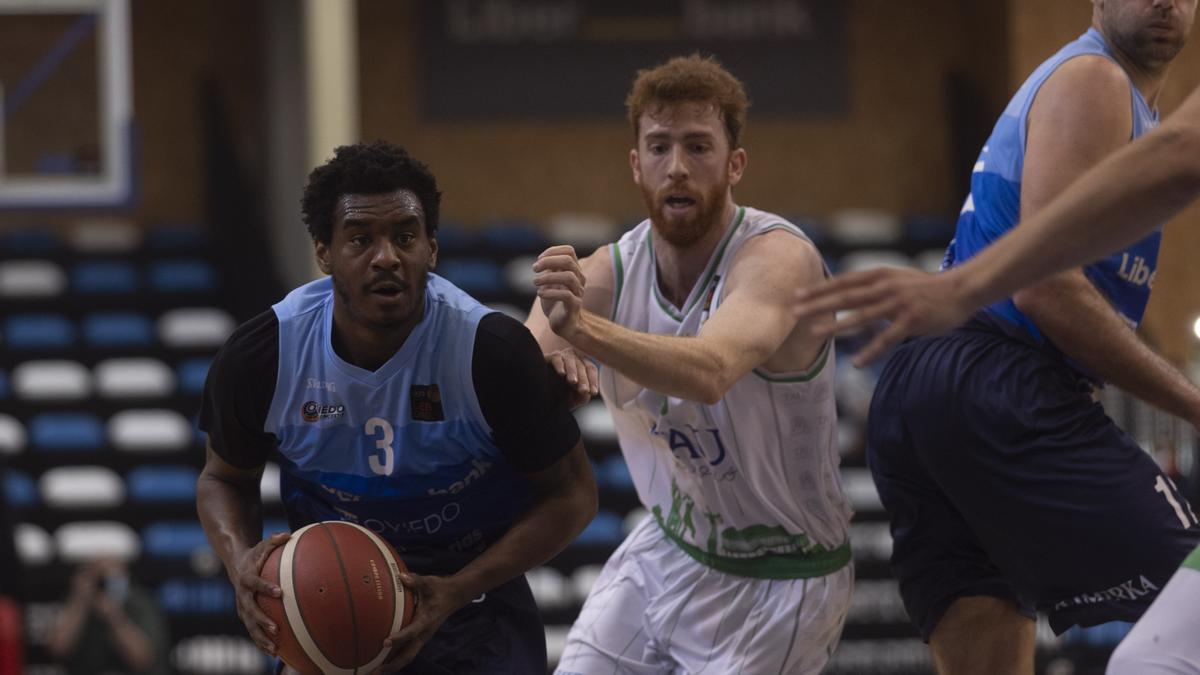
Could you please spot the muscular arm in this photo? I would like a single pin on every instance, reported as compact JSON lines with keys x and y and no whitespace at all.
{"x":230,"y":507}
{"x":1081,"y":116}
{"x":762,"y":281}
{"x":565,"y":503}
{"x":1119,"y":201}
{"x":599,"y":290}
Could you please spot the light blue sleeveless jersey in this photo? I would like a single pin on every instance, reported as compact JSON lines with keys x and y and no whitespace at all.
{"x":994,"y":205}
{"x":404,"y":450}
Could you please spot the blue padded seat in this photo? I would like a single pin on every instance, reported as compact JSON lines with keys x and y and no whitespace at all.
{"x":4,"y":388}
{"x":473,"y":275}
{"x":118,"y":329}
{"x":506,"y":235}
{"x":173,"y":539}
{"x":604,"y":530}
{"x":66,"y":431}
{"x":182,"y":276}
{"x":616,"y":473}
{"x":174,"y":239}
{"x":19,"y":489}
{"x":39,"y":331}
{"x":191,"y":374}
{"x":29,"y":241}
{"x":104,"y":277}
{"x":196,"y":596}
{"x":162,"y":484}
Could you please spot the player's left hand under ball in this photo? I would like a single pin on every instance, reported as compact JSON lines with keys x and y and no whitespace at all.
{"x":437,"y":598}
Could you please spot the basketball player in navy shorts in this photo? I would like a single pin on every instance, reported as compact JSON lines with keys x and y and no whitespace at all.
{"x":1008,"y":488}
{"x":1120,"y":200}
{"x":390,"y":398}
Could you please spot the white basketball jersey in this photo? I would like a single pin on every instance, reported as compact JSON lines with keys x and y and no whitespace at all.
{"x":750,"y":485}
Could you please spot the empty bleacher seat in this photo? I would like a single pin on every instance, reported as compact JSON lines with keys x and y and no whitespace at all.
{"x":930,"y":260}
{"x":219,"y":655}
{"x":134,"y":377}
{"x":87,"y":540}
{"x":104,"y":277}
{"x":174,"y":238}
{"x":77,"y":487}
{"x":34,"y":545}
{"x":473,"y":275}
{"x":513,"y":235}
{"x":595,"y":422}
{"x":871,"y":259}
{"x":162,"y":484}
{"x":616,"y":473}
{"x":118,"y":329}
{"x":31,"y":279}
{"x":195,"y":327}
{"x":519,"y":274}
{"x":192,"y":373}
{"x":929,"y":229}
{"x":633,"y":519}
{"x":865,"y":227}
{"x":585,"y":231}
{"x":454,"y":240}
{"x":268,"y":486}
{"x":549,"y":588}
{"x":182,"y":276}
{"x":12,"y":435}
{"x":604,"y":530}
{"x":104,"y":235}
{"x":29,"y":241}
{"x":174,"y":539}
{"x":556,"y":642}
{"x":19,"y":489}
{"x":4,"y":388}
{"x":60,"y":380}
{"x":860,"y":489}
{"x":149,"y":430}
{"x":39,"y":331}
{"x":583,"y":579}
{"x":196,"y":596}
{"x":66,"y":431}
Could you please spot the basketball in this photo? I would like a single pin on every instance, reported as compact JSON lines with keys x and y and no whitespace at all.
{"x":341,"y":597}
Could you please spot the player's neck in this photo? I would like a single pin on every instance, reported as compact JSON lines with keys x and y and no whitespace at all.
{"x":365,"y":346}
{"x":679,"y":268}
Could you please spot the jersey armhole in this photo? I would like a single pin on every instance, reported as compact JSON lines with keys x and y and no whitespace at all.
{"x":618,"y":278}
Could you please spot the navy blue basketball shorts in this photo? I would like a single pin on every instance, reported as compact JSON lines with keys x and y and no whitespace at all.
{"x":1003,"y":477}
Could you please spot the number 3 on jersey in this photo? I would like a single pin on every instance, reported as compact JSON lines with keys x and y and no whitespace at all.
{"x":385,"y":465}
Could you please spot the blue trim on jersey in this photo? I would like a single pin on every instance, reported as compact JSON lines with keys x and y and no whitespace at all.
{"x":994,"y":206}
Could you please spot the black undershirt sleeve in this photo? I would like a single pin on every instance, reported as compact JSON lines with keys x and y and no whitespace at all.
{"x":238,"y":392}
{"x":522,"y":398}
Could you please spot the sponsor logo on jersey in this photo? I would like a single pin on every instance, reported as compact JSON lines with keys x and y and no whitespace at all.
{"x":478,"y":468}
{"x":1127,"y":590}
{"x":426,"y":403}
{"x":312,"y":411}
{"x":322,"y":385}
{"x":1136,"y":271}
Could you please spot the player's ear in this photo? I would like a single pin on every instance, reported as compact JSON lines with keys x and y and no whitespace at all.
{"x":633,"y":164}
{"x":737,"y":164}
{"x":321,"y":250}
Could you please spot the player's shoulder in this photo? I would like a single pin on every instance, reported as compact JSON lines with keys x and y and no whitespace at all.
{"x":1088,"y":80}
{"x":258,"y":334}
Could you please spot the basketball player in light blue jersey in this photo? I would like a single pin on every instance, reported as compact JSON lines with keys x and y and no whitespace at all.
{"x":391,"y":399}
{"x":1008,"y":488}
{"x":1120,"y":200}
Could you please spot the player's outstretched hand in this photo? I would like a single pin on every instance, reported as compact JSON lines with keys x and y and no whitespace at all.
{"x":247,"y":582}
{"x":583,"y":379}
{"x":560,"y":284}
{"x":437,"y":598}
{"x":915,"y":302}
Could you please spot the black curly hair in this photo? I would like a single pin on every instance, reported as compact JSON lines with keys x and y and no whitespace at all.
{"x":366,"y":168}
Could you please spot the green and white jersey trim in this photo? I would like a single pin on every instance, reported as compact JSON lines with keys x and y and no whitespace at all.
{"x":749,"y":485}
{"x":1193,"y":559}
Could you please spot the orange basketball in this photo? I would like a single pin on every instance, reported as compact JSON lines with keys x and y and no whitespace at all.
{"x":342,"y":597}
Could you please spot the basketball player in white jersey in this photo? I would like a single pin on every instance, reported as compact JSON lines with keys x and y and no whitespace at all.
{"x":1120,"y":200}
{"x":724,"y":407}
